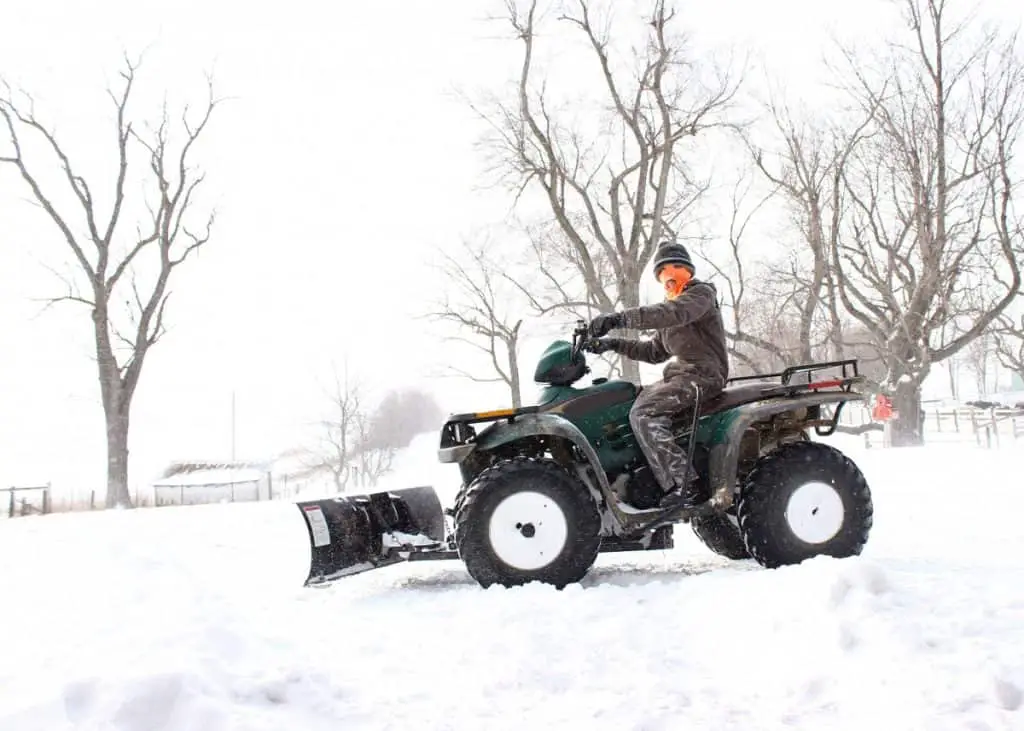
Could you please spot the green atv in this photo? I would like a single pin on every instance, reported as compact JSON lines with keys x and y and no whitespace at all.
{"x":546,"y":488}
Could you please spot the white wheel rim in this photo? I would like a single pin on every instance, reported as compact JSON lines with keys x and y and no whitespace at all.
{"x":815,"y":512}
{"x":528,"y":530}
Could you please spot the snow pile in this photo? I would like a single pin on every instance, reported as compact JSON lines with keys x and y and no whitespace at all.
{"x":194,"y":618}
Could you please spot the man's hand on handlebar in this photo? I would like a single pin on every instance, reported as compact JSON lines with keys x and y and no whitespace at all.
{"x":598,"y":345}
{"x":603,"y":324}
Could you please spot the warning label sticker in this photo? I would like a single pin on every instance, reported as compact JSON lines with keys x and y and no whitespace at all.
{"x":318,"y":525}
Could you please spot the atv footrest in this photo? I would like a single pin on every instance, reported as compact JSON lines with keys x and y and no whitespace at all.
{"x":619,"y":547}
{"x":434,"y":556}
{"x":660,"y":540}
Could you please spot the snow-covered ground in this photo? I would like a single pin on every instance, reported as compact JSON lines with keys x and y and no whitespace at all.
{"x":193,"y":618}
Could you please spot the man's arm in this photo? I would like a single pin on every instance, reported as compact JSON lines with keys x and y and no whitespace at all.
{"x":690,"y":306}
{"x":647,"y":351}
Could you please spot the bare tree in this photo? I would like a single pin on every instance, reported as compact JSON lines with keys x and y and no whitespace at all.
{"x":859,"y":343}
{"x":777,"y":309}
{"x":953,"y":371}
{"x":615,"y":188}
{"x":373,"y":458}
{"x":806,"y":171}
{"x":478,"y":303}
{"x":122,"y":277}
{"x":554,"y":285}
{"x":354,"y":446}
{"x":931,"y":189}
{"x":391,"y":426}
{"x":755,"y":318}
{"x":1008,"y":342}
{"x":977,"y":357}
{"x":340,"y":431}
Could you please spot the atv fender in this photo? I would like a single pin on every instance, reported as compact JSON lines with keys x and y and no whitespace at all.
{"x":725,"y":453}
{"x":538,"y":425}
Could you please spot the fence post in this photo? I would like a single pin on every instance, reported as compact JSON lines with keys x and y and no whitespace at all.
{"x":10,"y":507}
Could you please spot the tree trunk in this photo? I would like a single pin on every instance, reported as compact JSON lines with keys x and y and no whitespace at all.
{"x":630,"y":368}
{"x":117,"y":459}
{"x":116,"y":398}
{"x":629,"y":292}
{"x":907,"y":426}
{"x":514,"y":386}
{"x":836,"y":333}
{"x":338,"y":474}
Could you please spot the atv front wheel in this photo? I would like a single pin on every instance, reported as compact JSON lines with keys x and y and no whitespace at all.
{"x":805,"y":499}
{"x":720,"y":535}
{"x":525,"y":520}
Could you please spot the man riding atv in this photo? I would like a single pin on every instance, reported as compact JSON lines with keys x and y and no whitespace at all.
{"x":689,"y":329}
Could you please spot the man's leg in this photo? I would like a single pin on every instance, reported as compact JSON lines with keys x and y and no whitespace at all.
{"x":651,"y":418}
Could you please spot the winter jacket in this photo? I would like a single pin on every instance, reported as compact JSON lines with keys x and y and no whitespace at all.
{"x":689,"y":330}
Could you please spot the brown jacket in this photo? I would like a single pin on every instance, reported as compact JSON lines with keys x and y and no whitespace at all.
{"x":689,"y":328}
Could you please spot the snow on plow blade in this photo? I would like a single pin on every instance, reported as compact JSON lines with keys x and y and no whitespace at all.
{"x":350,"y":534}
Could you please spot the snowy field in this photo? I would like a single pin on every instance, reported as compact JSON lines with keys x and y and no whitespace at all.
{"x":194,"y":618}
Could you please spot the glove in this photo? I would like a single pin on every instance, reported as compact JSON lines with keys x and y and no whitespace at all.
{"x":605,"y":323}
{"x":599,"y":346}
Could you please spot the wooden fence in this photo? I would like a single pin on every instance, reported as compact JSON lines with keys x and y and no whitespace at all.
{"x":19,"y":504}
{"x":990,"y":428}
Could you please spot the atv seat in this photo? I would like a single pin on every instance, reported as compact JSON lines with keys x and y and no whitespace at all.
{"x":733,"y":396}
{"x":729,"y":398}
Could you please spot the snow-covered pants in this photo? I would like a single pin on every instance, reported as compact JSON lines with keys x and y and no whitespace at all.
{"x":651,"y":417}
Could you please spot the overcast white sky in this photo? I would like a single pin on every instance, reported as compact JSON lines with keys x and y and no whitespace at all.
{"x":341,"y":160}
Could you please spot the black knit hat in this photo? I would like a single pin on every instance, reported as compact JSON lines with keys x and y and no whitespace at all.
{"x":672,"y":253}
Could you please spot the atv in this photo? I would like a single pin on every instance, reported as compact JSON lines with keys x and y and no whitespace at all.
{"x":547,"y":487}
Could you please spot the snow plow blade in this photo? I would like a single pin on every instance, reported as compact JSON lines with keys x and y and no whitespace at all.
{"x":350,"y":534}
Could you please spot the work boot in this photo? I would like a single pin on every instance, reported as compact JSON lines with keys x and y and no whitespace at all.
{"x":688,"y":496}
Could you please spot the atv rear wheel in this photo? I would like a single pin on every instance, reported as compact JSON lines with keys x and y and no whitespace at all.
{"x":720,"y":535}
{"x":525,"y":520}
{"x":805,"y":499}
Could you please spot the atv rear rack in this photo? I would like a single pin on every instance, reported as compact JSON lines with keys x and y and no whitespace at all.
{"x":850,"y":371}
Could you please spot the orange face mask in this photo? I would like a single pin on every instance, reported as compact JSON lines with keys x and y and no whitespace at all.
{"x":674,"y":279}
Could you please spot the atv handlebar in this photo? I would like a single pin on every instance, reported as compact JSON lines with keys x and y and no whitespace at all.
{"x":580,"y":338}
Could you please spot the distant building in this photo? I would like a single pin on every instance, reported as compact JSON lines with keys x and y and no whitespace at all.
{"x":194,"y":483}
